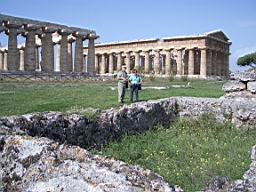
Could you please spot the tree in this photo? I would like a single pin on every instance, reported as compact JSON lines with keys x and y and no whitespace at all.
{"x":247,"y":60}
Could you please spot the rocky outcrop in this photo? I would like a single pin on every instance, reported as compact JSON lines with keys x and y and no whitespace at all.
{"x":30,"y":164}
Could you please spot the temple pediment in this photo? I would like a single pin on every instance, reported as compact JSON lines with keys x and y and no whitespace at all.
{"x":218,"y":34}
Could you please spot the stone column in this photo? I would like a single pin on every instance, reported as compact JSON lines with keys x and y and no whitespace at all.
{"x":137,"y":60}
{"x":103,"y":64}
{"x":78,"y":65}
{"x":1,"y":60}
{"x":85,"y":68}
{"x":191,"y":62}
{"x":37,"y":58}
{"x":22,"y":58}
{"x":96,"y":64}
{"x":128,"y":62}
{"x":91,"y":54}
{"x":219,"y":63}
{"x":147,"y":66}
{"x":213,"y":62}
{"x":209,"y":62}
{"x":5,"y":60}
{"x":63,"y":52}
{"x":203,"y":67}
{"x":111,"y":64}
{"x":47,"y":63}
{"x":119,"y":61}
{"x":168,"y":66}
{"x":12,"y":57}
{"x":227,"y":64}
{"x":157,"y":62}
{"x":179,"y":62}
{"x":30,"y":48}
{"x":70,"y":56}
{"x":58,"y":57}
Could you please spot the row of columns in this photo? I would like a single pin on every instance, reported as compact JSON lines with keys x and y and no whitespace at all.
{"x":26,"y":58}
{"x":203,"y":62}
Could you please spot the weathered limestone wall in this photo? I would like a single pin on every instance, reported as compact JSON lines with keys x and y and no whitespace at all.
{"x":136,"y":118}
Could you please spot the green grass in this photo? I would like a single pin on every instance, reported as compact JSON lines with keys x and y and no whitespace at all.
{"x":189,"y":152}
{"x":20,"y":98}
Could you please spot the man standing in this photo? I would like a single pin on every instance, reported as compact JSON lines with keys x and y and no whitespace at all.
{"x":122,"y":78}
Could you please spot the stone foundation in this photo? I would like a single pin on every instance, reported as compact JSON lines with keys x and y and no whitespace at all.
{"x":137,"y":118}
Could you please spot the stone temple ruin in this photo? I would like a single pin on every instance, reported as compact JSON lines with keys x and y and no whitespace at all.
{"x":37,"y":54}
{"x":198,"y":56}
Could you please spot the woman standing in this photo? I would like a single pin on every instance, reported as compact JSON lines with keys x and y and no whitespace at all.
{"x":135,"y":81}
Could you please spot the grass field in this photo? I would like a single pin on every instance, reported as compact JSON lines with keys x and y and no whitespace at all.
{"x":20,"y":98}
{"x":188,"y":153}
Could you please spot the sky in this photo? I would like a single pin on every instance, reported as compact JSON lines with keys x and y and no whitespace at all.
{"x":121,"y":20}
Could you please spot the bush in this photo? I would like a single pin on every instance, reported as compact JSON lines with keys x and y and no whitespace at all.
{"x":184,"y":78}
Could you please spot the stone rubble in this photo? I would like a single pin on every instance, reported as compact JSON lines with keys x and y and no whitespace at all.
{"x":31,"y":164}
{"x":241,"y":85}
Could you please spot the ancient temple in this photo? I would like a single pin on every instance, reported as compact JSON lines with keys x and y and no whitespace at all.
{"x":37,"y":53}
{"x":198,"y":56}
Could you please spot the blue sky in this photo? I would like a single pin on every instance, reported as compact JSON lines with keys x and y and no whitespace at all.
{"x":117,"y":20}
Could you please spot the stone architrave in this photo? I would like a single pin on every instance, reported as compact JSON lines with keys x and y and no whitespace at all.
{"x":203,"y":63}
{"x":147,"y":65}
{"x":128,"y":62}
{"x":12,"y":57}
{"x":157,"y":62}
{"x":191,"y":62}
{"x":47,"y":63}
{"x":111,"y":64}
{"x":91,"y":54}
